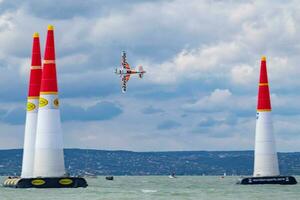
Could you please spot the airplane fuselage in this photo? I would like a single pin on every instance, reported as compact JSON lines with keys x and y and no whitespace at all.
{"x":125,"y":72}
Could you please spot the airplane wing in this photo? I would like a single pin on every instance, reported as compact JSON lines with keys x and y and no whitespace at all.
{"x":126,"y":66}
{"x":124,"y":61}
{"x":125,"y":79}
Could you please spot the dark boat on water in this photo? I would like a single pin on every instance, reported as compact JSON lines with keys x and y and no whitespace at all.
{"x":109,"y":178}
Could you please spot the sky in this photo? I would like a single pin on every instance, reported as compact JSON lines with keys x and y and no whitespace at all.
{"x":202,"y":59}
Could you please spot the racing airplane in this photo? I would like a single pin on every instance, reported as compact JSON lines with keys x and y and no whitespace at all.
{"x":125,"y":71}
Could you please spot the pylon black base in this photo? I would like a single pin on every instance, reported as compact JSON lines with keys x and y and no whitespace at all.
{"x":45,"y":182}
{"x":282,"y":180}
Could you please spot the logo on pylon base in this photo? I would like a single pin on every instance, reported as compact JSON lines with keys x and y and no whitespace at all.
{"x":30,"y":106}
{"x":43,"y":102}
{"x":65,"y":181}
{"x":38,"y":182}
{"x":56,"y":102}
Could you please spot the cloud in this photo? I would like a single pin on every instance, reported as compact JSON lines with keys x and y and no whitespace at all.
{"x":243,"y":12}
{"x":14,"y":116}
{"x":243,"y":74}
{"x":223,"y":100}
{"x":100,"y":111}
{"x":209,"y":122}
{"x":202,"y":60}
{"x":169,"y":124}
{"x":217,"y":99}
{"x":103,"y":110}
{"x":151,"y":110}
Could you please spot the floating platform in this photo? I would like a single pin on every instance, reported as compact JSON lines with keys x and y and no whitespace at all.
{"x":47,"y":182}
{"x":282,"y":180}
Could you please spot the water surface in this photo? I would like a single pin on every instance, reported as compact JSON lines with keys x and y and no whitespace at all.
{"x":159,"y":188}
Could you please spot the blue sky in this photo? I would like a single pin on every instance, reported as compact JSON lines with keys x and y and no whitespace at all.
{"x":202,"y":61}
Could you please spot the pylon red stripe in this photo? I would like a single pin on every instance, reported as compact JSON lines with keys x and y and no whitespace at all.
{"x":264,"y":102}
{"x":35,"y":74}
{"x":49,"y":79}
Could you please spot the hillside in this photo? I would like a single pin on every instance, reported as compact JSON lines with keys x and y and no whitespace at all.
{"x":102,"y":162}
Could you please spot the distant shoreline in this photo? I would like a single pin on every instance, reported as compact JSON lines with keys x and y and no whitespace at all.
{"x":161,"y":163}
{"x":165,"y":151}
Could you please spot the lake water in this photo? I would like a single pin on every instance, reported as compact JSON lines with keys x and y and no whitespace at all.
{"x":159,"y":188}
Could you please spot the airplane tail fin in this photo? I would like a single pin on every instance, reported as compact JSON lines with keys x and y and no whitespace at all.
{"x":141,"y":71}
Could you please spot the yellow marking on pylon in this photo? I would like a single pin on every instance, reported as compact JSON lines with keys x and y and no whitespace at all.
{"x":48,"y":93}
{"x":33,"y":97}
{"x":264,"y":110}
{"x":65,"y":181}
{"x":49,"y":61}
{"x":30,"y":106}
{"x":263,"y":84}
{"x":43,"y":102}
{"x":36,"y":67}
{"x":50,"y":27}
{"x":38,"y":182}
{"x":35,"y":34}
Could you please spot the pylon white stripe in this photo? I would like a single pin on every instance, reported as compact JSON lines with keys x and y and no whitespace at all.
{"x":29,"y":138}
{"x":49,"y":157}
{"x":265,"y":160}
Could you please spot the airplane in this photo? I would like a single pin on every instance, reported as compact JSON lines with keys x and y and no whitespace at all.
{"x":125,"y":71}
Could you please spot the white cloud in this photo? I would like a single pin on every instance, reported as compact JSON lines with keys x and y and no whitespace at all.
{"x":222,"y":100}
{"x":243,"y":74}
{"x":24,"y":68}
{"x":243,"y":12}
{"x":189,"y":49}
{"x":258,"y":31}
{"x":207,"y":61}
{"x":216,"y":99}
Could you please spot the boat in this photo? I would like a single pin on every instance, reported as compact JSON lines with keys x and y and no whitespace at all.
{"x":223,"y":175}
{"x":109,"y":178}
{"x":89,"y":175}
{"x":172,"y":175}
